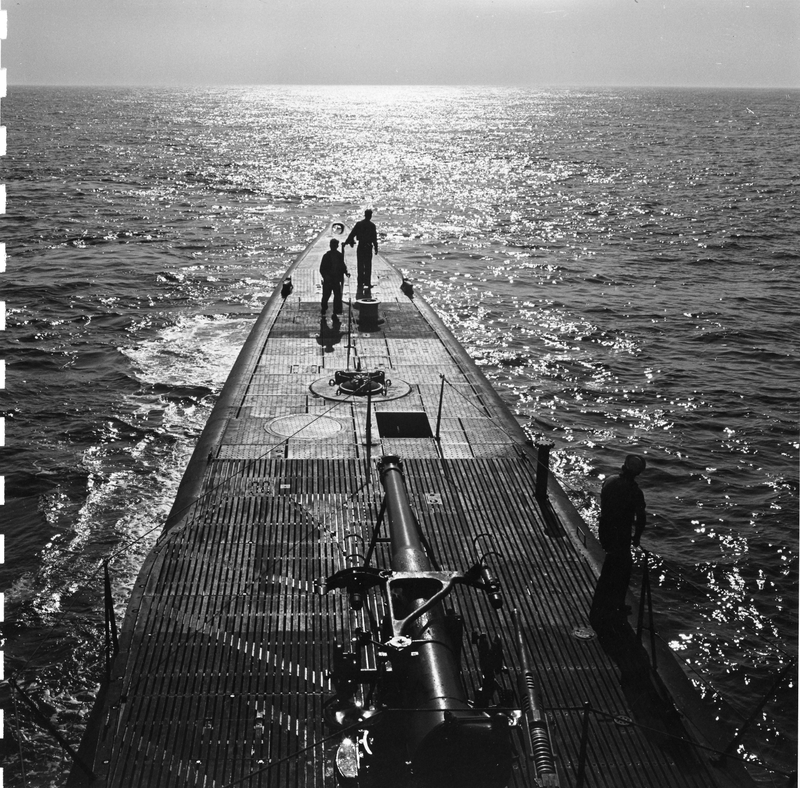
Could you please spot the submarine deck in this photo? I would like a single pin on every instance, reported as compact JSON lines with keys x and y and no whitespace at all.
{"x":222,"y":670}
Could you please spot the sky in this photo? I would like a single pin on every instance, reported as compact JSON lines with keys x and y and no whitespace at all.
{"x":684,"y":43}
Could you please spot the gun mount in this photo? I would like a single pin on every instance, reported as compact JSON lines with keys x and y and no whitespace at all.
{"x":420,"y":728}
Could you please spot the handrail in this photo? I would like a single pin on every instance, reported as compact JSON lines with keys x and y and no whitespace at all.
{"x":647,"y":596}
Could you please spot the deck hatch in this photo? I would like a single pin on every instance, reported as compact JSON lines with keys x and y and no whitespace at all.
{"x":304,"y":426}
{"x":408,"y":424}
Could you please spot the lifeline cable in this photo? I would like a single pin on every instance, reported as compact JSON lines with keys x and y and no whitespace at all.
{"x":92,"y":573}
{"x":309,"y":519}
{"x":222,"y":483}
{"x":126,"y":547}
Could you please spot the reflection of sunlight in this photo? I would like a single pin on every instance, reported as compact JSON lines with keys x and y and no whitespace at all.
{"x":682,"y":643}
{"x":556,"y":247}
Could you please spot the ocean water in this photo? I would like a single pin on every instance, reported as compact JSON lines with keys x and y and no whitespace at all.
{"x":621,"y":263}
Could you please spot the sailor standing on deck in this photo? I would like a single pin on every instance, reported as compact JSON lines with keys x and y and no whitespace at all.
{"x":333,"y":271}
{"x":367,"y":236}
{"x":622,"y":521}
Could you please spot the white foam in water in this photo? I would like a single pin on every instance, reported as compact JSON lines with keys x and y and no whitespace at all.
{"x":130,"y":487}
{"x":196,"y":351}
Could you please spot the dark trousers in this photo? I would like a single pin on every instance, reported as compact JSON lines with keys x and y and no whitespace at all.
{"x":608,"y":604}
{"x":330,"y":287}
{"x":364,"y":265}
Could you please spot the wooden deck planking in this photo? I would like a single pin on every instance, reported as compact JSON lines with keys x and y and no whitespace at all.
{"x":226,"y":644}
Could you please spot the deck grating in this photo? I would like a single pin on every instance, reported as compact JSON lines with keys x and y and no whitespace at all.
{"x":225,"y":649}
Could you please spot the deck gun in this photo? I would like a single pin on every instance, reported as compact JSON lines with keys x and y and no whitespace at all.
{"x":414,"y":725}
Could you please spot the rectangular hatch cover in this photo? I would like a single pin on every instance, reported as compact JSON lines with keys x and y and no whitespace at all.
{"x":412,"y":424}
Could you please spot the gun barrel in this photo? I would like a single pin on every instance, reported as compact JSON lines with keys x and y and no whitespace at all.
{"x":408,"y":554}
{"x":436,"y":664}
{"x":449,"y":743}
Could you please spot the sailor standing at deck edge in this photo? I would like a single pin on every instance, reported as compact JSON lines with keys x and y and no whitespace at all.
{"x":622,"y":521}
{"x":367,"y":235}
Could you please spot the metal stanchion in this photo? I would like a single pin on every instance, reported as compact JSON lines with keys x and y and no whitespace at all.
{"x":587,"y":708}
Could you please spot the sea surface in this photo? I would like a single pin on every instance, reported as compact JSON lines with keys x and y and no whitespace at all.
{"x":623,"y":264}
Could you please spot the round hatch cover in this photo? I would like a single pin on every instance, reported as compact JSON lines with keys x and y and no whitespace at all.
{"x":304,"y":426}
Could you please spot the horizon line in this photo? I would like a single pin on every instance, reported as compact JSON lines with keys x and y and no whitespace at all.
{"x":525,"y":86}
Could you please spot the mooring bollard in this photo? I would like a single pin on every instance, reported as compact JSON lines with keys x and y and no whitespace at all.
{"x":368,"y":319}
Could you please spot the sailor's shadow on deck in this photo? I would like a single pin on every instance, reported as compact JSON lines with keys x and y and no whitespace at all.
{"x":647,"y":698}
{"x":331,"y":334}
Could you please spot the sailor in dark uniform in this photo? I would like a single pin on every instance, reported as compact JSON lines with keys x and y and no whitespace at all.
{"x":333,"y":271}
{"x":367,"y":236}
{"x":622,"y":521}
